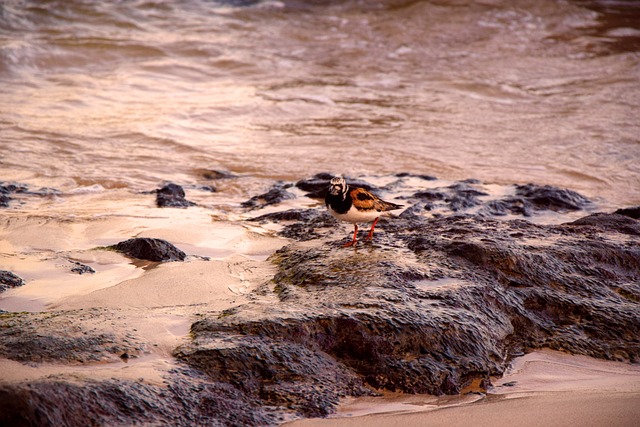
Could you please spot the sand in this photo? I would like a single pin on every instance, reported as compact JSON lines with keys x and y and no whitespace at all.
{"x":543,"y":388}
{"x":157,"y":302}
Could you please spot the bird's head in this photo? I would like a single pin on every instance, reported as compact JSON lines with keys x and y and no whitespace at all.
{"x":338,"y":186}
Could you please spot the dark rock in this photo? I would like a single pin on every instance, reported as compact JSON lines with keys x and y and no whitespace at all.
{"x":278,"y":373}
{"x":552,"y":198}
{"x":509,"y":287}
{"x":421,"y":176}
{"x":186,"y":400}
{"x":150,"y":249}
{"x":455,"y":198}
{"x":275,"y":195}
{"x":172,"y":196}
{"x":6,"y":189}
{"x":610,"y":222}
{"x":305,"y":225}
{"x":289,"y":215}
{"x":630,"y":212}
{"x":60,"y":337}
{"x":215,"y":174}
{"x":9,"y":280}
{"x":430,"y":195}
{"x":316,"y":186}
{"x":80,"y":268}
{"x":9,"y":187}
{"x":463,"y":188}
{"x":509,"y":205}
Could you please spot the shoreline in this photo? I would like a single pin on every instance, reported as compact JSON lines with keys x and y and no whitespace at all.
{"x":544,"y":387}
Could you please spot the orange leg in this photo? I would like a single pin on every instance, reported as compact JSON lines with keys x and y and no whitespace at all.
{"x":370,"y":236}
{"x":353,"y":242}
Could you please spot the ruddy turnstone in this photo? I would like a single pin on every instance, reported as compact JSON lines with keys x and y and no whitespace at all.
{"x":355,"y":205}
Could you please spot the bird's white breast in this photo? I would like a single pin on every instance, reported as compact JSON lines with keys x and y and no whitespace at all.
{"x":354,"y":215}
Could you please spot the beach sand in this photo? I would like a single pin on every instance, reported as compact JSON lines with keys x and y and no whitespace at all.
{"x":542,"y":388}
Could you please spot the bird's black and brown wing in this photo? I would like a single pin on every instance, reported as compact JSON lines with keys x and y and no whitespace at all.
{"x":364,"y":200}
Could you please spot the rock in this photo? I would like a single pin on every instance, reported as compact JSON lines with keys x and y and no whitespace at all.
{"x":80,"y":268}
{"x":275,"y":195}
{"x":316,"y":186}
{"x":277,"y":373}
{"x":172,"y":196}
{"x":9,"y":188}
{"x":630,"y":212}
{"x":302,"y":223}
{"x":60,"y":337}
{"x":553,"y":198}
{"x":508,"y":205}
{"x":150,"y":249}
{"x":187,"y":399}
{"x":6,"y":189}
{"x":9,"y":280}
{"x":215,"y":174}
{"x":421,"y":176}
{"x":456,"y":197}
{"x":465,"y":296}
{"x":610,"y":222}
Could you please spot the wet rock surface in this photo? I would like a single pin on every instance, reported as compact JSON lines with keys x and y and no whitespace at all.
{"x":80,"y":268}
{"x":216,"y":174}
{"x":8,"y":190}
{"x":186,"y":399}
{"x":630,"y":212}
{"x":150,"y":249}
{"x":448,"y":292}
{"x":464,"y":296}
{"x":9,"y":280}
{"x":61,"y":337}
{"x":172,"y":196}
{"x":548,"y":197}
{"x":276,"y":194}
{"x":436,"y":301}
{"x":316,"y":186}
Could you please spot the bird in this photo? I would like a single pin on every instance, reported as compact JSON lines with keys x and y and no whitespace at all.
{"x":355,"y":205}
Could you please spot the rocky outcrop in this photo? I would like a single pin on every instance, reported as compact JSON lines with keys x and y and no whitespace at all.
{"x":465,"y":295}
{"x":435,"y":302}
{"x":187,"y":399}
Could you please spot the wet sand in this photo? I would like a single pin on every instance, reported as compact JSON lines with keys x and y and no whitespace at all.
{"x":155,"y":302}
{"x":543,"y":388}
